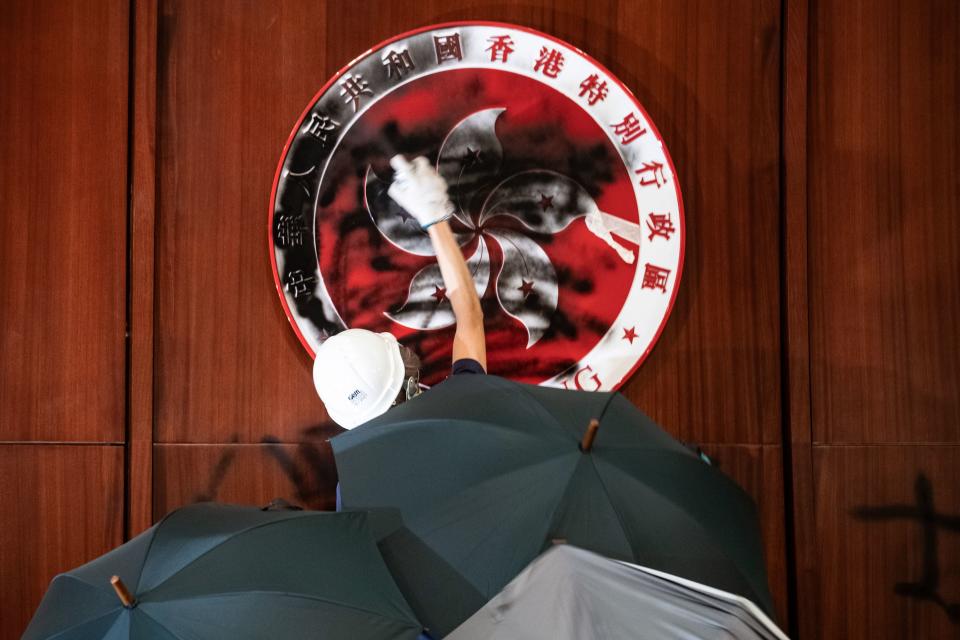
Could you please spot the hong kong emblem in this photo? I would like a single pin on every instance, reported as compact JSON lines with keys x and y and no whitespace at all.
{"x":567,"y":205}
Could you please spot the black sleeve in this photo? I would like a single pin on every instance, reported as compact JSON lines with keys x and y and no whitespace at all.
{"x":467,"y":365}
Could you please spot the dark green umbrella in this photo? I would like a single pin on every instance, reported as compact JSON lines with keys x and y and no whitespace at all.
{"x":486,"y":473}
{"x":213,"y":571}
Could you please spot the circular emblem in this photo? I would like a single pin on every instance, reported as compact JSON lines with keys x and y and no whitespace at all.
{"x":567,"y":205}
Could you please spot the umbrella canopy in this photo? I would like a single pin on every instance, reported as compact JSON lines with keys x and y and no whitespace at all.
{"x":487,"y":473}
{"x":571,"y":594}
{"x":213,"y":571}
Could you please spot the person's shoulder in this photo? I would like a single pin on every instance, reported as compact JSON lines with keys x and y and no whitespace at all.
{"x":467,"y":365}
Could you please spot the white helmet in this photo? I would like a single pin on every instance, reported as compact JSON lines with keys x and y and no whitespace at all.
{"x":358,"y":375}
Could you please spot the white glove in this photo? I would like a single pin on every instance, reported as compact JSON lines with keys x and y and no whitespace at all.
{"x":419,"y":189}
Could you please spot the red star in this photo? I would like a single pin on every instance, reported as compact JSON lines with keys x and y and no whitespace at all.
{"x":629,"y":334}
{"x":545,"y":201}
{"x":526,"y":287}
{"x":440,"y":294}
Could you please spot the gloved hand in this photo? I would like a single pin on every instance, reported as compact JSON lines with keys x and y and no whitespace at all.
{"x":419,"y":189}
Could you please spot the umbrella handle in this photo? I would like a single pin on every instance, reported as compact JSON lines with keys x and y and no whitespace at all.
{"x":587,"y":443}
{"x":122,"y":592}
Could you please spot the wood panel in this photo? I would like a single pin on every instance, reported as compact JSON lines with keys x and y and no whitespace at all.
{"x":759,"y":470}
{"x":62,"y":506}
{"x":63,"y":141}
{"x":709,"y":74}
{"x":873,"y":537}
{"x":885,"y":221}
{"x":232,"y":80}
{"x":303,"y":474}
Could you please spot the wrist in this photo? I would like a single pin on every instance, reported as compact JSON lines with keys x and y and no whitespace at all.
{"x":442,"y":218}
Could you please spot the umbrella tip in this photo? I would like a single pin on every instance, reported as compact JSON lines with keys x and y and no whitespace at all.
{"x":587,"y":443}
{"x":122,"y":592}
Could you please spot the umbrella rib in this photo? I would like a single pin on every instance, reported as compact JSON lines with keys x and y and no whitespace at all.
{"x":489,"y":479}
{"x":161,"y":625}
{"x":613,"y":507}
{"x":473,"y":550}
{"x":681,"y":508}
{"x":606,"y":405}
{"x":540,"y":409}
{"x":80,"y":624}
{"x":212,"y":549}
{"x":146,"y":553}
{"x":562,"y":494}
{"x":288,"y":594}
{"x":79,"y":580}
{"x":556,"y":507}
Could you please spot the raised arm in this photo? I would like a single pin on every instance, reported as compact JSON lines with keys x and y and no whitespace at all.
{"x":469,"y":341}
{"x":423,"y":193}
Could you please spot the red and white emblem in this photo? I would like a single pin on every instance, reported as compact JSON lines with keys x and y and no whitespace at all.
{"x":567,"y":205}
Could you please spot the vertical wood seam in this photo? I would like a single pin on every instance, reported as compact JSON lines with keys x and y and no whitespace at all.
{"x":141,"y":241}
{"x":799,"y":486}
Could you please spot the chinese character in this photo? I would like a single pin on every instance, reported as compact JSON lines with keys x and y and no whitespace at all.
{"x":296,"y":284}
{"x":923,"y":513}
{"x":660,"y":225}
{"x":398,"y":63}
{"x":320,"y":126}
{"x":595,"y":89}
{"x":550,"y":62}
{"x":629,"y":129}
{"x":655,"y":278}
{"x":655,"y":169}
{"x":502,"y":47}
{"x":353,"y":88}
{"x":448,"y":47}
{"x":289,"y":231}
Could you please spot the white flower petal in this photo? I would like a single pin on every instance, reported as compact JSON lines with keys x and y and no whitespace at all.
{"x":543,"y":201}
{"x":425,"y":307}
{"x":603,"y":225}
{"x":527,"y":286}
{"x":469,"y":156}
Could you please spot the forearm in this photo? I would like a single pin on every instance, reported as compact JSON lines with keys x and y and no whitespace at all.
{"x":419,"y":189}
{"x":469,"y":341}
{"x":457,"y":279}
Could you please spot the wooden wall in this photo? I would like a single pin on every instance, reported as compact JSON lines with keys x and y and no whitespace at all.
{"x":882,"y":278}
{"x":146,"y":362}
{"x":63,"y":299}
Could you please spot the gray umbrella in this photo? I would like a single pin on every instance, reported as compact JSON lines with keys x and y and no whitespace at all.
{"x":572,"y":594}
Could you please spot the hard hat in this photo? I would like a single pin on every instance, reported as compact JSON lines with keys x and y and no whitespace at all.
{"x":358,"y":374}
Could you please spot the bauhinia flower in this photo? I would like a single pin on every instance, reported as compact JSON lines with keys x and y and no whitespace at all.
{"x":543,"y":202}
